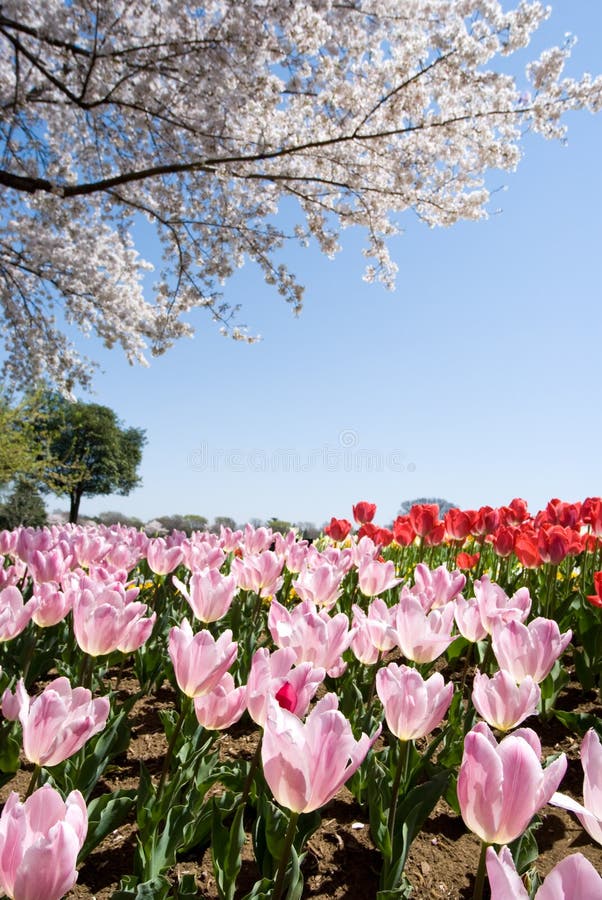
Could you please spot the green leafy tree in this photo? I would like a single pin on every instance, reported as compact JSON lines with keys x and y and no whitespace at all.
{"x":186,"y":523}
{"x":444,"y":505}
{"x":225,"y":521}
{"x":86,"y":451}
{"x":18,"y":427}
{"x":23,"y":506}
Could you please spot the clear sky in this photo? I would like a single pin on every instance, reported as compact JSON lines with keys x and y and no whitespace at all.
{"x":477,"y":380}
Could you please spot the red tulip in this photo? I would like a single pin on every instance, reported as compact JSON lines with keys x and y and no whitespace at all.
{"x":403,"y":533}
{"x":503,"y":541}
{"x":467,"y":561}
{"x":596,"y":599}
{"x":459,"y":523}
{"x":338,"y":529}
{"x":487,"y":521}
{"x":364,"y":512}
{"x":591,"y":513}
{"x":560,"y":513}
{"x":424,"y":517}
{"x":525,"y":548}
{"x":436,"y":536}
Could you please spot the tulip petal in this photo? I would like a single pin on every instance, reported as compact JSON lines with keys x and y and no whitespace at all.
{"x":504,"y":880}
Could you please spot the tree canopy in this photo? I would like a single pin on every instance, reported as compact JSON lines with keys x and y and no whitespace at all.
{"x":87,"y":451}
{"x":203,"y":119}
{"x":444,"y":505}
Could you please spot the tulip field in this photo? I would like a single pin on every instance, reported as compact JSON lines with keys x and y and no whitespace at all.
{"x":384,"y":713}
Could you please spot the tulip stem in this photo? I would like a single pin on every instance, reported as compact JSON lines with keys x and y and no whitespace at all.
{"x":85,"y":672}
{"x":170,"y":748}
{"x":286,"y":852}
{"x":251,"y":773}
{"x":402,"y":765}
{"x":480,"y":879}
{"x":35,"y":776}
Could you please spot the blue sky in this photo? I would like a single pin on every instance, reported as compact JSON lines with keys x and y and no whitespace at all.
{"x":477,"y":380}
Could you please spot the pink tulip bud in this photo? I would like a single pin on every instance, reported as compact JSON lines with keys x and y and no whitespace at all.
{"x":501,"y":787}
{"x":573,"y":878}
{"x":52,"y":604}
{"x":376,"y":577}
{"x":321,"y":585}
{"x":468,"y":619}
{"x":222,"y":706}
{"x":440,"y":585}
{"x":39,"y":843}
{"x":58,"y":722}
{"x":423,"y":637}
{"x":501,"y":702}
{"x":209,"y":594}
{"x":161,"y":558}
{"x":305,"y":764}
{"x":199,"y":660}
{"x":495,"y":605}
{"x":14,"y":614}
{"x":105,"y":619}
{"x":362,"y":645}
{"x":413,"y":707}
{"x":529,"y":649}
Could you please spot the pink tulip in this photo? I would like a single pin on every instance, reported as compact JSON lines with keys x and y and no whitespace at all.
{"x":14,"y":614}
{"x":590,"y":815}
{"x":315,"y":637}
{"x":423,"y":637}
{"x":105,"y":619}
{"x":305,"y":764}
{"x":270,"y":672}
{"x":501,"y":787}
{"x":222,"y":706}
{"x":375,"y":632}
{"x":49,"y":565}
{"x":58,"y":722}
{"x":376,"y":577}
{"x":52,"y":604}
{"x":413,"y":707}
{"x":209,"y":594}
{"x":440,"y":585}
{"x":468,"y":619}
{"x":162,"y":558}
{"x":89,"y":547}
{"x":199,"y":660}
{"x":202,"y":551}
{"x":229,"y":540}
{"x":361,"y":644}
{"x":501,"y":702}
{"x":256,"y":540}
{"x":321,"y":585}
{"x":39,"y":843}
{"x":529,"y":649}
{"x":259,"y":573}
{"x":573,"y":878}
{"x":496,"y":606}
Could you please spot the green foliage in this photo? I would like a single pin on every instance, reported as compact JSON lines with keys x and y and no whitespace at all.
{"x":23,"y":506}
{"x":19,"y":425}
{"x":86,"y":451}
{"x":186,"y":523}
{"x":444,"y":505}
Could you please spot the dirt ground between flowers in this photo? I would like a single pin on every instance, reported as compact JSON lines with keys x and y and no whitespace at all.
{"x":341,"y":862}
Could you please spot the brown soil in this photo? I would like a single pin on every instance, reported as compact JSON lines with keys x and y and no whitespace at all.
{"x":341,"y":861}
